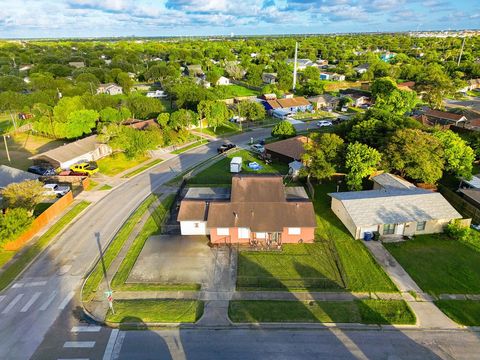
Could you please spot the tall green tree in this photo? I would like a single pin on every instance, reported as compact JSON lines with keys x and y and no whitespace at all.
{"x":182,"y":119}
{"x":13,"y":223}
{"x":284,"y":129}
{"x":323,"y":153}
{"x":26,"y":195}
{"x":360,"y":161}
{"x":388,"y":97}
{"x":458,"y":155}
{"x":416,"y":154}
{"x":251,"y":110}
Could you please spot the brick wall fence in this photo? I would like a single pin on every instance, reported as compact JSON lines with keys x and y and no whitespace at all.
{"x":40,"y":222}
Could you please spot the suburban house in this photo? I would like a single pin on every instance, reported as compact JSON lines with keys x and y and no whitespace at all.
{"x":324,"y":101}
{"x":10,"y":175}
{"x":194,"y":70}
{"x":83,"y":150}
{"x":302,"y":64}
{"x":472,"y":84}
{"x":331,"y":76}
{"x":269,"y":78}
{"x":287,"y":106}
{"x":358,"y":97}
{"x":223,"y":81}
{"x":287,"y":150}
{"x":77,"y":64}
{"x":157,"y":94}
{"x":110,"y":89}
{"x":437,"y":117}
{"x":406,"y":86}
{"x":362,"y":69}
{"x":259,"y":208}
{"x":394,"y":207}
{"x":202,"y":82}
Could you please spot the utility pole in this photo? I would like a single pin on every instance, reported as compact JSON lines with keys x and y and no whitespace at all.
{"x":295,"y":67}
{"x":461,"y":52}
{"x":6,"y":148}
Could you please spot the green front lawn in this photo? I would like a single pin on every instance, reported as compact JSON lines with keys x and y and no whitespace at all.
{"x":361,"y":270}
{"x":224,"y":129}
{"x":359,"y":311}
{"x":219,"y":173}
{"x":439,"y":265}
{"x":155,"y":311}
{"x":464,"y":312}
{"x":296,"y":267}
{"x":116,"y":163}
{"x":232,"y":91}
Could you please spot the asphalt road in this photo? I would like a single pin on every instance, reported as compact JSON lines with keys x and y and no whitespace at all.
{"x":298,"y":344}
{"x":31,"y":305}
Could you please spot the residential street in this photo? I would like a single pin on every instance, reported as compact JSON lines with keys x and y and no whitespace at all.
{"x":31,"y":305}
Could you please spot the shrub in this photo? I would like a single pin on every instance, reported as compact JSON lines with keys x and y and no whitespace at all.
{"x":13,"y":223}
{"x":283,"y":130}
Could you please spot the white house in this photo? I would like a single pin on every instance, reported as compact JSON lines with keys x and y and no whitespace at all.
{"x":158,"y":94}
{"x":110,"y":89}
{"x":393,"y":207}
{"x":223,"y":81}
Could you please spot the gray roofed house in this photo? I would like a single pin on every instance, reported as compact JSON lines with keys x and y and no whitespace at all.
{"x":10,"y":175}
{"x":394,"y":208}
{"x":83,"y":150}
{"x":390,"y":181}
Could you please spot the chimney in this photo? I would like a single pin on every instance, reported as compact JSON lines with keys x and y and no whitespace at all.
{"x":235,"y":215}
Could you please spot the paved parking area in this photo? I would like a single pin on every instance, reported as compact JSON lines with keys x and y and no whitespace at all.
{"x":174,"y":259}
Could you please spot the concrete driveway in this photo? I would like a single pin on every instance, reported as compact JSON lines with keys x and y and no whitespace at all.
{"x":174,"y":259}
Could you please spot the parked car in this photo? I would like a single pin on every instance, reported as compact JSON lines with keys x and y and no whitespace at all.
{"x":225,"y":147}
{"x":41,"y":170}
{"x":85,"y":168}
{"x":237,"y":119}
{"x":323,"y":123}
{"x":258,"y":148}
{"x":58,"y":190}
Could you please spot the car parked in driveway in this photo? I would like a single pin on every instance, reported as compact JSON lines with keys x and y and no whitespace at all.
{"x":225,"y":147}
{"x":41,"y":170}
{"x":323,"y":123}
{"x":85,"y":168}
{"x":258,"y":148}
{"x":55,"y":189}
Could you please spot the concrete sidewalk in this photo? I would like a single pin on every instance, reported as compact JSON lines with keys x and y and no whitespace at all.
{"x":428,"y":315}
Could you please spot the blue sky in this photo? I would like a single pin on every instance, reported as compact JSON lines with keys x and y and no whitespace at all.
{"x":96,"y":18}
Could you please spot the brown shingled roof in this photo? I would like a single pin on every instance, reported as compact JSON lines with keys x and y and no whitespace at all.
{"x":191,"y":210}
{"x":257,"y":188}
{"x":293,"y":147}
{"x":287,"y":103}
{"x":443,"y":115}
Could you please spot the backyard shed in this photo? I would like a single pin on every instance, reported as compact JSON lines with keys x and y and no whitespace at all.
{"x":236,"y":164}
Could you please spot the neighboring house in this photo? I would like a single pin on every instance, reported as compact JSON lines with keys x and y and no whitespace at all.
{"x":291,"y":105}
{"x":437,"y":117}
{"x":86,"y":149}
{"x":194,"y":70}
{"x":199,"y":81}
{"x":258,"y":209}
{"x":331,"y":76}
{"x":158,"y":94}
{"x":77,"y":64}
{"x":140,"y":124}
{"x":324,"y":101}
{"x":302,"y":64}
{"x":362,"y":69}
{"x":406,"y":86}
{"x":472,"y":84}
{"x":269,"y":78}
{"x":394,"y":207}
{"x":287,"y":150}
{"x":223,"y":81}
{"x":358,"y":98}
{"x":10,"y":175}
{"x":110,"y":89}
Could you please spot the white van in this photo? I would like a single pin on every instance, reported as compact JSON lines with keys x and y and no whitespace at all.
{"x":236,"y":164}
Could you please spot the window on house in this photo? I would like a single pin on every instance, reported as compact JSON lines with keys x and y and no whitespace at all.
{"x":294,"y":231}
{"x":223,"y":231}
{"x":421,"y":225}
{"x":243,"y":233}
{"x":388,"y":229}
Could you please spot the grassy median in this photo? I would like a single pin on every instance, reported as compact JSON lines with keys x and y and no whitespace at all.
{"x":464,"y":312}
{"x":358,"y":311}
{"x":12,"y":271}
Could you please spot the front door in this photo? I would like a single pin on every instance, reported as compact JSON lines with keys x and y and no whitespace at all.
{"x":399,"y":228}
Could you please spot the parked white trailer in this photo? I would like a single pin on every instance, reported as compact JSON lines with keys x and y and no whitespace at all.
{"x":236,"y":164}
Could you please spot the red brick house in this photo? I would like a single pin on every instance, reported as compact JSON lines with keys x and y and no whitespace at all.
{"x":259,"y":209}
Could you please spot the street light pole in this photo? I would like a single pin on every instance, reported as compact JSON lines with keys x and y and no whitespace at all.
{"x":109,"y":292}
{"x":6,"y":148}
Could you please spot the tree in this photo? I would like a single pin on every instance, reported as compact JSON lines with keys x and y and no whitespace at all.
{"x":123,"y":79}
{"x":458,"y":155}
{"x":311,"y":73}
{"x":322,"y":155}
{"x":26,"y":194}
{"x":415,"y":154}
{"x":143,"y":107}
{"x":388,"y":97}
{"x":78,"y":123}
{"x":234,"y":70}
{"x":215,"y":112}
{"x":11,"y":83}
{"x":251,"y":110}
{"x":13,"y":223}
{"x":435,"y":85}
{"x":214,"y":74}
{"x":360,"y":161}
{"x":115,"y":116}
{"x":182,"y":119}
{"x":284,"y":129}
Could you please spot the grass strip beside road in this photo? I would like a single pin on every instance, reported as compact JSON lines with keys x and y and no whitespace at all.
{"x":464,"y":312}
{"x":152,"y":226}
{"x":116,"y":163}
{"x":16,"y":268}
{"x":357,"y":311}
{"x":142,"y":168}
{"x":155,"y":311}
{"x":96,"y":276}
{"x":191,"y":146}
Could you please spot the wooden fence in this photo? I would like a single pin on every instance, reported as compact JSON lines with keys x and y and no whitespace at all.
{"x":463,"y":206}
{"x":40,"y":222}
